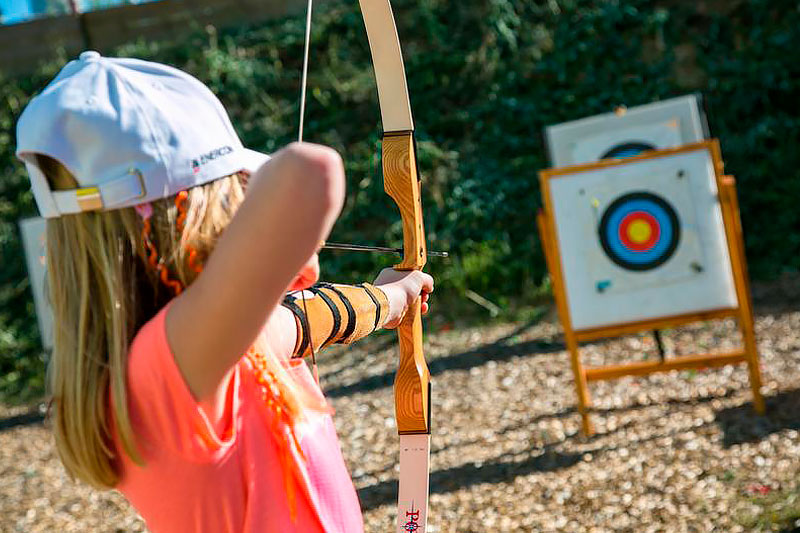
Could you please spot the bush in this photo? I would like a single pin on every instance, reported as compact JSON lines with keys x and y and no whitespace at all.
{"x":485,"y":78}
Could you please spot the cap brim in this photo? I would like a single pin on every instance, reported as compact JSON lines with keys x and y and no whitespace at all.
{"x":253,"y":160}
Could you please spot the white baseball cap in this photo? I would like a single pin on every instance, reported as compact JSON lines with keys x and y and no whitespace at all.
{"x":130,"y":131}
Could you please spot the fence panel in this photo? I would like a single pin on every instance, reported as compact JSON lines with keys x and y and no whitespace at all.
{"x":23,"y":46}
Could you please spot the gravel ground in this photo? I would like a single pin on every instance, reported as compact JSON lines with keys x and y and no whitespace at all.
{"x":673,"y":452}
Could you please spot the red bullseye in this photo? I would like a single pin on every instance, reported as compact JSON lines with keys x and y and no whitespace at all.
{"x":639,"y":231}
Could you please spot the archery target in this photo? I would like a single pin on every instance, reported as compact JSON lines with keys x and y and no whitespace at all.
{"x":625,"y":140}
{"x":666,"y":124}
{"x":641,"y":239}
{"x":639,"y":231}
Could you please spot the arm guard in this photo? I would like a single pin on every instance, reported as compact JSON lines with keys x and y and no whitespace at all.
{"x":339,"y":314}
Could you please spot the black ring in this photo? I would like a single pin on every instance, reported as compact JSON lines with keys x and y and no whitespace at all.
{"x":658,"y":261}
{"x":628,"y":149}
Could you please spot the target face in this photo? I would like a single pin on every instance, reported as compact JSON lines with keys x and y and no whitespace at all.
{"x":639,"y":231}
{"x":628,"y":149}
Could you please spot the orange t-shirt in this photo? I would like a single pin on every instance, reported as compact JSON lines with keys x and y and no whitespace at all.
{"x":198,"y":480}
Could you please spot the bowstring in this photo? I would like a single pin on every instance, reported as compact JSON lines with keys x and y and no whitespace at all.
{"x":304,"y":79}
{"x":303,"y":85}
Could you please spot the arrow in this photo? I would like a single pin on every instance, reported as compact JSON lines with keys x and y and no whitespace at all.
{"x":365,"y":248}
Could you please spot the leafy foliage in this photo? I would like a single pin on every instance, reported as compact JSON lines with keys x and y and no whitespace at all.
{"x":485,"y":78}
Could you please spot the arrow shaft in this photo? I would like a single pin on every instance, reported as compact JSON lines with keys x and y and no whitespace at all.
{"x":365,"y":248}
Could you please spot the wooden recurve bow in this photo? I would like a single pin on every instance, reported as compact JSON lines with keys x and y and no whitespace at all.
{"x":402,"y":183}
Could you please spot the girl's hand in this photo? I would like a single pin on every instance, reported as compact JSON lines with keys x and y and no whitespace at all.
{"x":401,"y":289}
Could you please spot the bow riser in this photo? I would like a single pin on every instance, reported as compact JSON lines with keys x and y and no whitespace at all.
{"x":412,"y":382}
{"x":401,"y":182}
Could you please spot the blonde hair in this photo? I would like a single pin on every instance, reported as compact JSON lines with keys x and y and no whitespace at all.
{"x":102,"y":290}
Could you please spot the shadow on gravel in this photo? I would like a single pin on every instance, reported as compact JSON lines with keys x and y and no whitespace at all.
{"x":502,"y":349}
{"x":669,"y":402}
{"x":34,"y":416}
{"x":496,"y":471}
{"x":741,"y":424}
{"x":501,"y":470}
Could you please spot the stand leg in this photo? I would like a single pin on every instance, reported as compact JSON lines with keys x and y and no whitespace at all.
{"x":733,"y":227}
{"x":662,"y":354}
{"x":753,"y":365}
{"x":584,"y":398}
{"x":550,"y":255}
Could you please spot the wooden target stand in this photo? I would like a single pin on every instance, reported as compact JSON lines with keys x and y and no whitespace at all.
{"x":742,"y":312}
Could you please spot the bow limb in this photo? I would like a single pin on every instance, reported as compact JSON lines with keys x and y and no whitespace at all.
{"x":401,"y":181}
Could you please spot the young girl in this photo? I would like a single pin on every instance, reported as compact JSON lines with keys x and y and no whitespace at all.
{"x":177,"y":376}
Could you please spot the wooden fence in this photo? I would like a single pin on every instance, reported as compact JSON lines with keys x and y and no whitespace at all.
{"x":24,"y":46}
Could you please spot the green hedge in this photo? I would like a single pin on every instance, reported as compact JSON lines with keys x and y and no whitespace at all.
{"x":485,"y":78}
